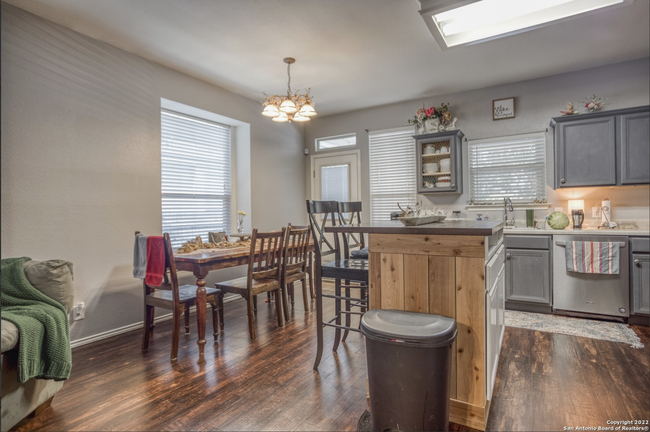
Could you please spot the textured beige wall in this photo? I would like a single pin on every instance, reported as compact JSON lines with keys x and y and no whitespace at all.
{"x":81,"y":159}
{"x":536,"y":101}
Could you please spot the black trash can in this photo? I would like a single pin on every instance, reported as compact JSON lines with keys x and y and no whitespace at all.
{"x":409,"y":369}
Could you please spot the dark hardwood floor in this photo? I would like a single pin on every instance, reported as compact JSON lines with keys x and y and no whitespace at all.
{"x":545,"y":381}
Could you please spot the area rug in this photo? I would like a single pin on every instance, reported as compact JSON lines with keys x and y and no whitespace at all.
{"x":605,"y":330}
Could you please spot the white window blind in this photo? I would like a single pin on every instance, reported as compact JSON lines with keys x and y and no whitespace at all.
{"x":196,"y":177}
{"x":392,"y":171}
{"x":513,"y":167}
{"x":335,"y":183}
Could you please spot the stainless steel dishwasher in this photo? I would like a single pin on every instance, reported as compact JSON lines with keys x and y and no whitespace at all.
{"x":590,"y":294}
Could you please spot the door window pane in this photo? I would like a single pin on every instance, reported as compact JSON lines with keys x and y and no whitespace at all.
{"x":335,"y":183}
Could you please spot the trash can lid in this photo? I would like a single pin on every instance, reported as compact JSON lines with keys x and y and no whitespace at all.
{"x":408,"y":327}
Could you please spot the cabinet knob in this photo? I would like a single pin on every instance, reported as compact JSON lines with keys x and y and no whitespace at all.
{"x":453,"y":185}
{"x":637,"y":262}
{"x":508,"y":256}
{"x":562,"y":181}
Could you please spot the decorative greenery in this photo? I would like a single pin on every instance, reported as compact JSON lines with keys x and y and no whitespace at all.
{"x":594,"y":103}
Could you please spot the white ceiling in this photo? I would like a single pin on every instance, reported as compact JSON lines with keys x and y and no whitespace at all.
{"x":353,"y":54}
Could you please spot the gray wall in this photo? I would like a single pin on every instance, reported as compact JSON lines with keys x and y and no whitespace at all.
{"x":536,"y":101}
{"x":81,"y":159}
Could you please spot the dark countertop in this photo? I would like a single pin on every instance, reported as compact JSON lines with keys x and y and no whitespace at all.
{"x":473,"y":228}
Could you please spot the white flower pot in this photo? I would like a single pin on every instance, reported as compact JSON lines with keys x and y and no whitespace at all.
{"x":433,"y":125}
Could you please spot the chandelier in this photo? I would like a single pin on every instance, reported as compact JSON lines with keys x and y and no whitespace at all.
{"x":292,"y":107}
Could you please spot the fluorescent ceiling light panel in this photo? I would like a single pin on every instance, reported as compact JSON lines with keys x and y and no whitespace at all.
{"x":484,"y":20}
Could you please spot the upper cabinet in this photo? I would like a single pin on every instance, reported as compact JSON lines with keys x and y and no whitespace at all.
{"x":439,"y":162}
{"x":608,"y":148}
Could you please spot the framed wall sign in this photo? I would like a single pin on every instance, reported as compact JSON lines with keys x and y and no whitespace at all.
{"x":503,"y":108}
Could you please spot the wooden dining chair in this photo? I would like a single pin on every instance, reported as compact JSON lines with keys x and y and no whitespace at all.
{"x":176,"y":298}
{"x":294,"y":265}
{"x":264,"y":275}
{"x":353,"y":270}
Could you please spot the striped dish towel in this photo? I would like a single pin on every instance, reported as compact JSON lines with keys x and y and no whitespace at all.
{"x":592,"y":257}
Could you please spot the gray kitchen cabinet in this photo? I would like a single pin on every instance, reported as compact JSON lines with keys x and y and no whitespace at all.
{"x":640,"y":284}
{"x":635,"y":150}
{"x":439,"y":162}
{"x":608,"y":148}
{"x":528,"y":273}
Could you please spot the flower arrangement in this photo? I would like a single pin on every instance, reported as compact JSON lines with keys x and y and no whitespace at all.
{"x":594,"y":103}
{"x":441,"y":116}
{"x":422,"y":115}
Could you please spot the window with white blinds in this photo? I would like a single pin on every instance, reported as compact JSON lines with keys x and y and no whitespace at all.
{"x":392,"y":171}
{"x":196,"y":176}
{"x":513,"y":167}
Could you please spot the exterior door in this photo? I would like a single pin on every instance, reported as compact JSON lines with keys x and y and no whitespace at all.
{"x":335,"y":177}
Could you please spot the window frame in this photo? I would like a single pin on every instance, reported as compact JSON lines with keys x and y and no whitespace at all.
{"x":410,"y":176}
{"x":536,"y":167}
{"x":230,"y":214}
{"x":336,"y":149}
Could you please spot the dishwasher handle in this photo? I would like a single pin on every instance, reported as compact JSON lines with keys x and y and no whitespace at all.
{"x":561,"y":243}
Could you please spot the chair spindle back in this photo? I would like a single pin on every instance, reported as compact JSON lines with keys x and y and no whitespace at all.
{"x":296,"y":248}
{"x":268,"y":247}
{"x":323,"y":210}
{"x":351,"y":240}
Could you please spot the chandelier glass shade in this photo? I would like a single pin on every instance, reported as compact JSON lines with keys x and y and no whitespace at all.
{"x":290,"y":107}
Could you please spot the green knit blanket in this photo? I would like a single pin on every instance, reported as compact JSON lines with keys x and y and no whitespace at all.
{"x":44,"y":333}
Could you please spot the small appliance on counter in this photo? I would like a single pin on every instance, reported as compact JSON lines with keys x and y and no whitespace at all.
{"x":578,"y":217}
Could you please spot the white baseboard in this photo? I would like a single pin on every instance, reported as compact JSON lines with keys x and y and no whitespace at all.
{"x":118,"y":331}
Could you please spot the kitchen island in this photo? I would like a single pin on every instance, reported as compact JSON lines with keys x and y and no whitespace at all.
{"x":454,"y":269}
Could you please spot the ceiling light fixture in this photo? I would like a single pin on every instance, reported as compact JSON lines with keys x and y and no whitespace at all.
{"x":466,"y":22}
{"x":292,"y":107}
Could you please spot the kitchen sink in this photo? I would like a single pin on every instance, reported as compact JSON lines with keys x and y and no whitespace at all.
{"x":519,"y":228}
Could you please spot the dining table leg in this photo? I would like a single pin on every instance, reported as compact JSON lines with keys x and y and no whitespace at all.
{"x":201,"y":313}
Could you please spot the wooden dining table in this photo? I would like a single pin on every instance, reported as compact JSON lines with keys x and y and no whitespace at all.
{"x":202,"y":262}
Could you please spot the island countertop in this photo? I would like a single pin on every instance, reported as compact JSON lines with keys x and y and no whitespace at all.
{"x":472,"y":228}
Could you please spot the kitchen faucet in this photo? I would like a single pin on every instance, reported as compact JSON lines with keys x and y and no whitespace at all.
{"x":507,"y":205}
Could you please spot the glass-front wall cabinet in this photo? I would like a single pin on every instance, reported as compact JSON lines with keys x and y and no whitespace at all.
{"x":439,"y":157}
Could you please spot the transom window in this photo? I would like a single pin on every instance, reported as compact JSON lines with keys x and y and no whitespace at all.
{"x":336,"y":142}
{"x":513,"y":167}
{"x":196,"y":176}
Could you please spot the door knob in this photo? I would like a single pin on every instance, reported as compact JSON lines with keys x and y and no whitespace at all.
{"x":637,"y":262}
{"x":508,"y":256}
{"x":562,"y":181}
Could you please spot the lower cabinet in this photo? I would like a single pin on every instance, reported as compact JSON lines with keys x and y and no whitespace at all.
{"x":640,"y":284}
{"x":528,"y":273}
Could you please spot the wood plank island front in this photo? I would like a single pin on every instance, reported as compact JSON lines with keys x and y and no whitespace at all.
{"x":454,"y":269}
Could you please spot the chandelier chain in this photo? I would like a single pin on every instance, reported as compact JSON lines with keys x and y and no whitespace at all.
{"x":289,"y":81}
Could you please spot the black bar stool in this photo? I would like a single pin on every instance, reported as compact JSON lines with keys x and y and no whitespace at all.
{"x":353,"y":270}
{"x":354,"y":246}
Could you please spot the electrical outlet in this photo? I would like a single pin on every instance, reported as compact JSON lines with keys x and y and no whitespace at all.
{"x":595,"y":212}
{"x":79,"y":311}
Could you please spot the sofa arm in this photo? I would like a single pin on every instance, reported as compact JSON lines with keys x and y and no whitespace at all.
{"x":53,"y":278}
